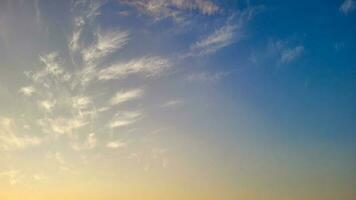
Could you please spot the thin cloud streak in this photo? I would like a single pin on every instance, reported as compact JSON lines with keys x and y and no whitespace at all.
{"x":10,"y":139}
{"x":176,"y":9}
{"x":107,"y":42}
{"x":116,"y":144}
{"x":124,"y":96}
{"x":148,"y":66}
{"x":290,"y":54}
{"x":124,"y":118}
{"x":347,"y":6}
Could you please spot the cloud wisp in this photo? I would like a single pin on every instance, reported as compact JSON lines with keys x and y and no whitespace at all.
{"x":124,"y":96}
{"x":347,"y":6}
{"x":206,"y":77}
{"x":149,"y":66}
{"x":10,"y":139}
{"x":175,"y":9}
{"x":290,"y":54}
{"x":116,"y":144}
{"x":231,"y":32}
{"x":124,"y":118}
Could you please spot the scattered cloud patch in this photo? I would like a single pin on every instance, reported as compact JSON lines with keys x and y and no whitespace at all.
{"x":107,"y":42}
{"x":28,"y":90}
{"x":47,"y":105}
{"x":290,"y":54}
{"x":39,"y":177}
{"x":148,"y":65}
{"x":220,"y":38}
{"x":348,"y":6}
{"x":61,"y":125}
{"x":12,"y":175}
{"x":81,"y":102}
{"x":279,"y":52}
{"x":124,"y":96}
{"x":58,"y":156}
{"x":116,"y":144}
{"x":90,"y":143}
{"x":173,"y":103}
{"x":10,"y":139}
{"x":175,"y":9}
{"x":232,"y":31}
{"x":206,"y":77}
{"x":124,"y":118}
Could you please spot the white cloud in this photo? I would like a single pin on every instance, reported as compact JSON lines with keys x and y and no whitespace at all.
{"x":87,"y":9}
{"x":123,"y":13}
{"x":75,"y":38}
{"x":173,"y":103}
{"x":89,"y":143}
{"x":207,"y":76}
{"x":28,"y":90}
{"x":173,"y":8}
{"x":124,"y":96}
{"x":107,"y":42}
{"x":124,"y":118}
{"x":347,"y":6}
{"x":160,"y":154}
{"x":85,"y":12}
{"x":47,"y":105}
{"x":80,"y":102}
{"x":9,"y":138}
{"x":61,"y":125}
{"x":52,"y":71}
{"x":58,"y":156}
{"x":39,"y":177}
{"x":281,"y":51}
{"x":150,"y":66}
{"x":12,"y":175}
{"x":220,"y":38}
{"x":116,"y":144}
{"x":290,"y":54}
{"x":232,"y":31}
{"x":51,"y":63}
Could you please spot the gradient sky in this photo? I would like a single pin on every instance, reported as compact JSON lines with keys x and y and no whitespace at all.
{"x":177,"y":99}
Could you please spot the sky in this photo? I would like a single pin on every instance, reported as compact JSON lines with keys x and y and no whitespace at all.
{"x":177,"y":99}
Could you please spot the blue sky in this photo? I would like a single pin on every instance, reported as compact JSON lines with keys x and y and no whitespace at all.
{"x":257,"y":98}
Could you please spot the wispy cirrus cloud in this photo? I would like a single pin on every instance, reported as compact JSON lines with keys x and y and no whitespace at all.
{"x":14,"y":176}
{"x":124,"y":96}
{"x":81,"y":102}
{"x":89,"y":143}
{"x":124,"y":118}
{"x":51,"y":72}
{"x":84,"y":13}
{"x":107,"y":42}
{"x":39,"y":177}
{"x":173,"y":103}
{"x":347,"y":6}
{"x":279,"y":52}
{"x":173,"y":8}
{"x":28,"y":90}
{"x":290,"y":54}
{"x":116,"y":144}
{"x":205,"y":77}
{"x":148,"y":66}
{"x":10,"y":139}
{"x":232,"y":31}
{"x":47,"y":105}
{"x":220,"y":38}
{"x":61,"y":125}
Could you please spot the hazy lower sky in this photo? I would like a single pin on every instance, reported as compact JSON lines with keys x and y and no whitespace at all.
{"x":177,"y":99}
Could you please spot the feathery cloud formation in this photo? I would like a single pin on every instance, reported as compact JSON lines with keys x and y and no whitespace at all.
{"x":347,"y":6}
{"x":173,"y":8}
